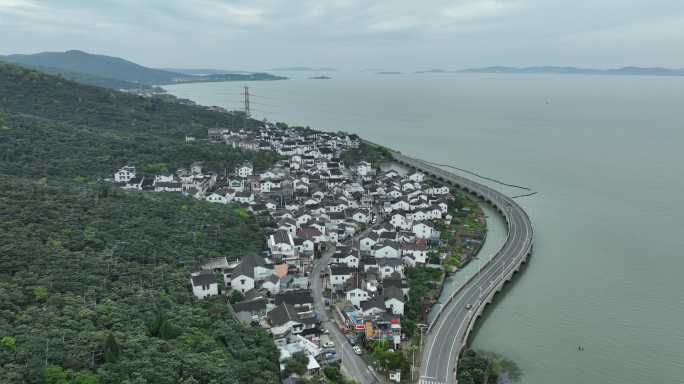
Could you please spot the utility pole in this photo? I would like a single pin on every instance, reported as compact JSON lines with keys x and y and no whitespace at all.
{"x":421,"y":327}
{"x":413,"y":362}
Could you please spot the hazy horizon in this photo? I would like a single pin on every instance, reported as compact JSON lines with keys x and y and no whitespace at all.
{"x":352,"y":35}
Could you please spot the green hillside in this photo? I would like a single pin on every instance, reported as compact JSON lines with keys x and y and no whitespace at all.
{"x":117,"y":73}
{"x":94,"y":281}
{"x":97,"y":65}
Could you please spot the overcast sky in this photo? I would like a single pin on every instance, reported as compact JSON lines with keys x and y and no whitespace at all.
{"x":353,"y":34}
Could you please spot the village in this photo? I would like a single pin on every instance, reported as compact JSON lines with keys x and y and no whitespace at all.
{"x":340,"y":239}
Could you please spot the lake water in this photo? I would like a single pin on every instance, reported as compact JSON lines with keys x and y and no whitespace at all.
{"x":606,"y":155}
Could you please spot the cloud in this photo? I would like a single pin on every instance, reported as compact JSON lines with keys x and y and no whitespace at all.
{"x":450,"y":33}
{"x":475,"y":10}
{"x":16,"y":4}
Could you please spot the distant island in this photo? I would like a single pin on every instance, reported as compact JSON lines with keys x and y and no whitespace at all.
{"x":205,"y":71}
{"x":320,"y":78}
{"x":304,"y":69}
{"x":436,"y":70}
{"x":632,"y":71}
{"x":388,"y":73}
{"x":121,"y":74}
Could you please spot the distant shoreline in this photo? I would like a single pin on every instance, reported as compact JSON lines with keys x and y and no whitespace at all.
{"x":554,"y":70}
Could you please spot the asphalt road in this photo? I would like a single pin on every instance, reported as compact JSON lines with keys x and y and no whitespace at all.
{"x":352,"y":364}
{"x":448,"y":334}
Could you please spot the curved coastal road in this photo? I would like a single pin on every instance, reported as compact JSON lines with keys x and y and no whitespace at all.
{"x":448,"y":333}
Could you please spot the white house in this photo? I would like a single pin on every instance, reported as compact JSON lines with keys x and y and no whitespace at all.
{"x":304,"y":246}
{"x":388,"y":249}
{"x":437,"y":190}
{"x":272,"y":284}
{"x":244,"y":170}
{"x":303,"y":218}
{"x":339,"y":274}
{"x":218,"y":197}
{"x":244,"y":197}
{"x":360,"y":216}
{"x":282,"y":245}
{"x":389,"y":266}
{"x":414,"y":254}
{"x":288,"y":225}
{"x":284,"y":320}
{"x":374,"y":305}
{"x":394,"y":193}
{"x":398,"y":220}
{"x":367,"y":242}
{"x":135,"y":183}
{"x":204,"y":284}
{"x":124,"y":174}
{"x":251,"y":269}
{"x":422,"y":230}
{"x":173,"y":186}
{"x":348,"y":259}
{"x":164,"y":178}
{"x":363,"y":168}
{"x":400,"y":205}
{"x":356,"y":296}
{"x":242,"y":278}
{"x":237,"y":185}
{"x":394,"y":300}
{"x":417,"y":177}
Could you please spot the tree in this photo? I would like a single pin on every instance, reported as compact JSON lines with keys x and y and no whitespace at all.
{"x":54,"y":375}
{"x":40,"y":293}
{"x":168,"y":330}
{"x":296,"y":364}
{"x":236,"y":297}
{"x":85,"y":378}
{"x":130,"y":253}
{"x":9,"y":343}
{"x":111,"y":349}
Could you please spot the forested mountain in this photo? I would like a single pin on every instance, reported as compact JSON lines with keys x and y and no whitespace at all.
{"x":88,"y":68}
{"x":88,"y":79}
{"x":94,"y":281}
{"x":97,"y":65}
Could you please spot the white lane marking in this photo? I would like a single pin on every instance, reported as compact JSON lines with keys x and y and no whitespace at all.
{"x":454,"y":306}
{"x":451,"y":351}
{"x":430,"y":381}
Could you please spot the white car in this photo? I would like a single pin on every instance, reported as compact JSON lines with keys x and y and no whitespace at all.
{"x":329,"y":344}
{"x":357,"y":350}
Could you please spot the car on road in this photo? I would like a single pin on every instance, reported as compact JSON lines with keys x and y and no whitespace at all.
{"x":331,"y":357}
{"x":357,"y":350}
{"x":329,"y":344}
{"x":468,"y":306}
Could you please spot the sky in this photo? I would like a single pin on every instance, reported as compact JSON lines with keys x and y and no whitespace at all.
{"x":353,"y":34}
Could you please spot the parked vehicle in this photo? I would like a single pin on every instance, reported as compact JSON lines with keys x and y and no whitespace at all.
{"x":357,"y":350}
{"x":329,"y":344}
